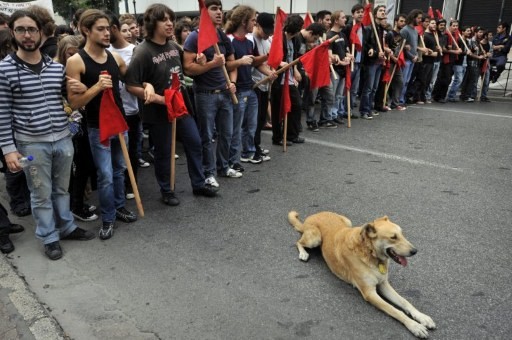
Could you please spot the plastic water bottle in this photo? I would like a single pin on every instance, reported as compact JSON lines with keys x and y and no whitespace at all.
{"x":24,"y":162}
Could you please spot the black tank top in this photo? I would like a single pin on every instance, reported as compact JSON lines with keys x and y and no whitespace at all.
{"x":90,"y":77}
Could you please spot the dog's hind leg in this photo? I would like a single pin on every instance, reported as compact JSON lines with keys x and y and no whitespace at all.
{"x":370,"y":295}
{"x":392,"y":296}
{"x":311,"y":238}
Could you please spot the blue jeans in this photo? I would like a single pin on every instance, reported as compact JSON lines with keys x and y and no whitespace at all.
{"x":370,"y":85}
{"x":486,"y":83}
{"x":338,"y":87}
{"x":406,"y":76}
{"x":326,"y":106}
{"x":458,"y":75}
{"x":110,"y":167}
{"x":48,"y":182}
{"x":430,"y":87}
{"x":214,"y":113}
{"x":245,"y":121}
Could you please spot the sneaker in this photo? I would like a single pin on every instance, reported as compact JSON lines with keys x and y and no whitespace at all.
{"x":375,"y":113}
{"x":265,"y":158}
{"x":15,"y":228}
{"x":106,"y":230}
{"x":401,"y":108}
{"x":231,"y":173}
{"x":53,"y":250}
{"x":125,"y":215}
{"x":313,"y":126}
{"x":21,"y":211}
{"x":485,"y":100}
{"x":244,"y":159}
{"x":90,"y":207}
{"x":85,"y":215}
{"x":338,"y":121}
{"x":130,"y":196}
{"x":143,"y":163}
{"x":453,"y":100}
{"x":330,"y":125}
{"x":469,"y":100}
{"x":262,"y":151}
{"x":6,"y":245}
{"x":176,"y":156}
{"x":206,"y":191}
{"x":429,"y":101}
{"x":238,"y":167}
{"x":79,"y":234}
{"x":420,"y":102}
{"x":367,"y":116}
{"x":170,"y":199}
{"x":256,"y":159}
{"x":211,"y":181}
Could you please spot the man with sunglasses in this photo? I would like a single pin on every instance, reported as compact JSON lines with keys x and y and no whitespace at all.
{"x":31,"y":88}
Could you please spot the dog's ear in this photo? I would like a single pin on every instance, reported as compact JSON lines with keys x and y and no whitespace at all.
{"x":385,"y":218}
{"x":369,"y":230}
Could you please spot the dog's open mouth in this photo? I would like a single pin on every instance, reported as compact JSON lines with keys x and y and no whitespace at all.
{"x":397,"y":258}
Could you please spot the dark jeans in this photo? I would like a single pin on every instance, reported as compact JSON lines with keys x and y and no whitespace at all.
{"x":262,"y":115}
{"x":293,"y":116}
{"x":82,"y":169}
{"x":4,"y":221}
{"x":469,"y":83}
{"x":422,"y":82}
{"x":188,"y":134}
{"x":16,"y":186}
{"x":444,"y":77}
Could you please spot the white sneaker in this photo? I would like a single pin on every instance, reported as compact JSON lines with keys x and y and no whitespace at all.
{"x":143,"y":163}
{"x":130,"y":196}
{"x":176,"y":156}
{"x":233,"y":173}
{"x":265,"y":158}
{"x":211,"y":181}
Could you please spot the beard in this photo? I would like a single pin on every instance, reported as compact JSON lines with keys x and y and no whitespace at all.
{"x":32,"y":48}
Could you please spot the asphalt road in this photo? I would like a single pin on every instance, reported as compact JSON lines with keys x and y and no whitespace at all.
{"x":227,"y":268}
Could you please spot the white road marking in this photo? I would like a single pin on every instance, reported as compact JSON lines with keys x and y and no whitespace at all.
{"x":465,"y":112}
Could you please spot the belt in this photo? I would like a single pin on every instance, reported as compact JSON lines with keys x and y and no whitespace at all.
{"x":211,"y":91}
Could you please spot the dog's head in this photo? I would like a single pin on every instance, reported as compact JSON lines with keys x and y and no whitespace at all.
{"x":387,"y":241}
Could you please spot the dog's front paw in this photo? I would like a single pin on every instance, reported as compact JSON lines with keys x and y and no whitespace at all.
{"x":425,"y":320}
{"x":417,"y":329}
{"x":303,"y":255}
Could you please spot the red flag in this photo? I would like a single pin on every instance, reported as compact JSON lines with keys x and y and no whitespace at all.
{"x":439,"y":14}
{"x":174,"y":99}
{"x":207,"y":34}
{"x":401,"y":60}
{"x":112,"y":121}
{"x":431,"y":12}
{"x":419,"y":29}
{"x":286,"y":104}
{"x":308,"y":20}
{"x":485,"y":67}
{"x":316,"y":64}
{"x":367,"y":20}
{"x":276,"y":53}
{"x":386,"y":78}
{"x":354,"y":38}
{"x":348,"y":77}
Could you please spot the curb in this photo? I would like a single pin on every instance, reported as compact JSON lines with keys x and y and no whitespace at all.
{"x":30,"y":310}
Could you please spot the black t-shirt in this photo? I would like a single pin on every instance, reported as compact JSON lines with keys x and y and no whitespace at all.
{"x":36,"y":68}
{"x":153,"y":63}
{"x":338,"y":47}
{"x":430,"y":42}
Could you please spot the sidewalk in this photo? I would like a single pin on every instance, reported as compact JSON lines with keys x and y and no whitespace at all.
{"x":22,"y":316}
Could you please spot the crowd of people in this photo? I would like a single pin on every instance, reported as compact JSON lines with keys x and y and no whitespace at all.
{"x":53,"y":82}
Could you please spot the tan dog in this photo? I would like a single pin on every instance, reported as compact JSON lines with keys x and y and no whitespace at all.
{"x":360,"y":256}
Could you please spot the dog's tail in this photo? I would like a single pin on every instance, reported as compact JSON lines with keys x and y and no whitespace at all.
{"x":293,"y":218}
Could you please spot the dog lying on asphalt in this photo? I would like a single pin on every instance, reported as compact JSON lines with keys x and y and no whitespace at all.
{"x":360,"y":256}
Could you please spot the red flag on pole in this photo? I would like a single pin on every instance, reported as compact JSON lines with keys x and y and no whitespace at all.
{"x":316,"y":65}
{"x":419,"y":29}
{"x":308,"y":20}
{"x":276,"y":53}
{"x":354,"y":38}
{"x":485,"y":67}
{"x":401,"y":60}
{"x":367,"y":20}
{"x":431,"y":12}
{"x":439,"y":14}
{"x":112,"y":121}
{"x":386,"y":78}
{"x":286,"y":103}
{"x":207,"y":34}
{"x":174,"y":99}
{"x":348,"y":78}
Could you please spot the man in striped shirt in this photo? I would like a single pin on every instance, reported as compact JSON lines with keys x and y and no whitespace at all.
{"x":32,"y":115}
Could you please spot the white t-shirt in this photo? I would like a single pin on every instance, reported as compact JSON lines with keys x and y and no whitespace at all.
{"x":130,"y":103}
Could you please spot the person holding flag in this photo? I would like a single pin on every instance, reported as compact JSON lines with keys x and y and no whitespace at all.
{"x":457,"y":60}
{"x":156,"y":61}
{"x":394,"y":41}
{"x":100,"y":71}
{"x":485,"y":70}
{"x":409,"y":33}
{"x":473,"y":59}
{"x":424,"y":74}
{"x":212,"y":93}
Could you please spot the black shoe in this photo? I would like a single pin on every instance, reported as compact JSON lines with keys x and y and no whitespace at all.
{"x":238,"y":167}
{"x":79,"y":234}
{"x":53,"y":250}
{"x":485,"y":100}
{"x":6,"y":245}
{"x":288,"y":143}
{"x":206,"y":191}
{"x":20,"y":212}
{"x":15,"y":228}
{"x":106,"y":230}
{"x":125,"y":215}
{"x":90,"y":207}
{"x":85,"y":215}
{"x":353,"y":116}
{"x":170,"y":199}
{"x":297,"y":140}
{"x":338,"y":121}
{"x":328,"y":124}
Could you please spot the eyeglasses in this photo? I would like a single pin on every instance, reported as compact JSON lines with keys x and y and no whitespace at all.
{"x":24,"y":30}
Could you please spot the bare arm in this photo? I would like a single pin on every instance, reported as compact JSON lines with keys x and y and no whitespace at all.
{"x":74,"y":67}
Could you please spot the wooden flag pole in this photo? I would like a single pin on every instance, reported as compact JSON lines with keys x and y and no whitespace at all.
{"x":483,"y":75}
{"x":386,"y":88}
{"x":122,"y":141}
{"x":353,"y":57}
{"x":285,"y":131}
{"x":226,"y":75}
{"x":451,"y":36}
{"x":349,"y":110}
{"x":173,"y":152}
{"x":438,"y":44}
